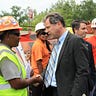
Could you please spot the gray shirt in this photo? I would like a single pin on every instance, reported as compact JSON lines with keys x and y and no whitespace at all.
{"x":8,"y":69}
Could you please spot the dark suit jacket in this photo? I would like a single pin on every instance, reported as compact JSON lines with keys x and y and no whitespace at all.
{"x":72,"y":68}
{"x":92,"y":71}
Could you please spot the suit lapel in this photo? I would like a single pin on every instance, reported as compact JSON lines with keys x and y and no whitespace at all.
{"x":63,"y":47}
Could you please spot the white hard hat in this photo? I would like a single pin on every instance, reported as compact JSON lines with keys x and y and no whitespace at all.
{"x":39,"y":26}
{"x":93,"y":23}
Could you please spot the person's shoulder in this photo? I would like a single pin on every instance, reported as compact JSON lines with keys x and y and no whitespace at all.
{"x":91,"y":39}
{"x":88,"y":43}
{"x":73,"y":36}
{"x":37,"y":44}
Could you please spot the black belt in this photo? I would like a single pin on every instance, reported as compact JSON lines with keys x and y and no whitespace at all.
{"x":50,"y":91}
{"x":53,"y":90}
{"x":52,"y":87}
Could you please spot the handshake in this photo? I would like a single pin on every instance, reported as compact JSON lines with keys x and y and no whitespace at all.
{"x":36,"y":80}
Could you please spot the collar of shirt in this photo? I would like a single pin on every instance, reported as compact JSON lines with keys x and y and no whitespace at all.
{"x":62,"y":38}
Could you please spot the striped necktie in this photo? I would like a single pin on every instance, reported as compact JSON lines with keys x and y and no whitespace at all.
{"x":51,"y":66}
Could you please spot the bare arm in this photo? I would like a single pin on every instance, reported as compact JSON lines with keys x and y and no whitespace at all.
{"x":18,"y":83}
{"x":11,"y":74}
{"x":40,"y":67}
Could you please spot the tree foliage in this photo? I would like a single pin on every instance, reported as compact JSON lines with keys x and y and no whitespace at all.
{"x":69,"y":9}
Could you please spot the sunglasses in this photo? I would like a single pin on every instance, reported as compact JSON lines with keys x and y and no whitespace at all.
{"x":44,"y":33}
{"x":94,"y":28}
{"x":15,"y":33}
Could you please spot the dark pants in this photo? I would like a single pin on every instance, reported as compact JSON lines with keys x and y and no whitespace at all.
{"x":94,"y":94}
{"x":50,"y":91}
{"x":36,"y":90}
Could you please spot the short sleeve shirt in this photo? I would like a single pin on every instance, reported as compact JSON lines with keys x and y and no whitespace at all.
{"x":92,"y":40}
{"x":39,"y":52}
{"x":8,"y":69}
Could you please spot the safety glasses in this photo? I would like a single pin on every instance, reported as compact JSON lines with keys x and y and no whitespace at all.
{"x":44,"y":33}
{"x":15,"y":33}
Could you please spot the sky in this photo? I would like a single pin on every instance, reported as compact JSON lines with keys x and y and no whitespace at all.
{"x":38,"y":5}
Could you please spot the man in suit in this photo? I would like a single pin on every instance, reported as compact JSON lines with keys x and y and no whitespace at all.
{"x":79,"y":28}
{"x":67,"y":75}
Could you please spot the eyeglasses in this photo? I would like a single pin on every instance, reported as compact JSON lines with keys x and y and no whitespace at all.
{"x":15,"y":33}
{"x":94,"y":28}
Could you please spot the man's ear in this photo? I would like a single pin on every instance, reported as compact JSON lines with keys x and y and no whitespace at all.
{"x":75,"y":30}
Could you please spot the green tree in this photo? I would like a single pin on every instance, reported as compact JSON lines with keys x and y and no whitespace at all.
{"x":88,"y":10}
{"x":69,"y":9}
{"x":64,"y":7}
{"x":20,"y":15}
{"x":4,"y":13}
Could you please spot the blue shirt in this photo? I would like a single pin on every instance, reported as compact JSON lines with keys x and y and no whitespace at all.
{"x":60,"y":43}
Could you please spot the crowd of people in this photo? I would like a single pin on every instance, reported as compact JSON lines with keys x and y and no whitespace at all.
{"x":67,"y":68}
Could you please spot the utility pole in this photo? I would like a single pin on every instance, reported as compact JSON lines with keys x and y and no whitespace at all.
{"x":31,"y":16}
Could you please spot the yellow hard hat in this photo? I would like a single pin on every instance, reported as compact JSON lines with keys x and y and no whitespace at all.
{"x":70,"y":29}
{"x":8,"y":23}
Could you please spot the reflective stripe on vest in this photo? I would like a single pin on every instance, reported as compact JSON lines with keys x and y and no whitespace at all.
{"x":6,"y":51}
{"x":4,"y":86}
